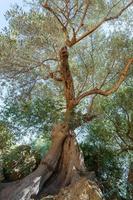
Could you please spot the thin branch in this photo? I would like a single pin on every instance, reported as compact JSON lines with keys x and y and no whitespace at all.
{"x":105,"y":19}
{"x":83,"y":17}
{"x":24,"y":69}
{"x":114,"y":88}
{"x":64,"y":29}
{"x":81,"y":87}
{"x":47,"y":7}
{"x":78,"y":9}
{"x":126,"y":149}
{"x":120,"y":13}
{"x":93,"y":62}
{"x":93,"y":98}
{"x":67,"y":11}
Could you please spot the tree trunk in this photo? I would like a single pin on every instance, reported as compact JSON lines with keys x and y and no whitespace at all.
{"x":59,"y":168}
{"x":68,"y":169}
{"x":64,"y":164}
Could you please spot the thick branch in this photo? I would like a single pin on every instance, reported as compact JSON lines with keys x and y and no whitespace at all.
{"x":67,"y":78}
{"x":114,"y":88}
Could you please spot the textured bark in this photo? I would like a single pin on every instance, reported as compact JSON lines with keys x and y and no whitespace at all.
{"x":1,"y":171}
{"x":68,"y":170}
{"x":64,"y":164}
{"x":61,"y":166}
{"x":31,"y":185}
{"x":67,"y":78}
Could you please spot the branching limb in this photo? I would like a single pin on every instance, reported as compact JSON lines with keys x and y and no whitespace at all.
{"x":47,"y":7}
{"x":105,"y":19}
{"x":114,"y":88}
{"x":64,"y":29}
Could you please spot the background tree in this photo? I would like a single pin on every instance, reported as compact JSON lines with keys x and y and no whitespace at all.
{"x":110,"y":141}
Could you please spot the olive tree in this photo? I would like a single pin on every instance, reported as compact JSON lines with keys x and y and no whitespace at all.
{"x":61,"y":44}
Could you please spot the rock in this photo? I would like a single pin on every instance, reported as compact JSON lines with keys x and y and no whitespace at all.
{"x":81,"y":190}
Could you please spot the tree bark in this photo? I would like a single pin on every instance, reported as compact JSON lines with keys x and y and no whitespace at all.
{"x":61,"y":167}
{"x":64,"y":163}
{"x":67,"y":78}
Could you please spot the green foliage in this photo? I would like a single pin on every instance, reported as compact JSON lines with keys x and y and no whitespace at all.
{"x":6,"y":137}
{"x":118,"y":112}
{"x":102,"y":159}
{"x":41,"y":145}
{"x":21,"y":161}
{"x":108,"y":146}
{"x":35,"y":115}
{"x":35,"y":35}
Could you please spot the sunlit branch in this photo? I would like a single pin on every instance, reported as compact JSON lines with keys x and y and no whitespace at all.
{"x":105,"y":19}
{"x":114,"y":88}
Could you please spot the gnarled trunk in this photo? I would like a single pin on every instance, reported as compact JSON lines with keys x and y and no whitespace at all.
{"x":64,"y":163}
{"x":68,"y":168}
{"x":61,"y":167}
